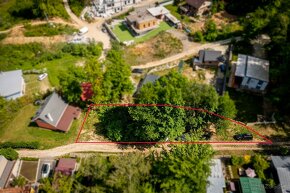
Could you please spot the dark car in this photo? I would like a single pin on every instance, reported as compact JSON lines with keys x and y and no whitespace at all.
{"x":137,"y":70}
{"x":243,"y":137}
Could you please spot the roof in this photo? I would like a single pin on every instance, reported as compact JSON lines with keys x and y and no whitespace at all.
{"x":216,"y":181}
{"x":67,"y":118}
{"x":160,"y":10}
{"x":252,"y":185}
{"x":140,"y":15}
{"x":209,"y":55}
{"x":195,"y":3}
{"x":6,"y":173}
{"x":52,"y":110}
{"x":11,"y":83}
{"x":150,"y":78}
{"x":258,"y":68}
{"x":172,"y":18}
{"x":282,"y":165}
{"x":87,"y":91}
{"x":66,"y":166}
{"x":3,"y":162}
{"x":252,"y":67}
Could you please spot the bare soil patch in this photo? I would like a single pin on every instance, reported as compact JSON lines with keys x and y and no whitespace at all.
{"x":159,"y":47}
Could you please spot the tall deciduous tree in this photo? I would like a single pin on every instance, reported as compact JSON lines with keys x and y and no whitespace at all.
{"x":185,"y":168}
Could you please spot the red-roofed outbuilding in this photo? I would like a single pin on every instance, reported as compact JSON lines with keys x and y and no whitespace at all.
{"x":87,"y":91}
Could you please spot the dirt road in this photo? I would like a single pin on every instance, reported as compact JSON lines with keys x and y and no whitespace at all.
{"x":94,"y":32}
{"x":114,"y":148}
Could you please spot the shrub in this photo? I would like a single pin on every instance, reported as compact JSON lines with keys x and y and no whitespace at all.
{"x":9,"y":153}
{"x":237,"y":160}
{"x":18,"y":145}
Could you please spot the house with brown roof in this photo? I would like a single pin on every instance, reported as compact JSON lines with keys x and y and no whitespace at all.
{"x":55,"y":114}
{"x":196,"y":7}
{"x":66,"y":166}
{"x":141,"y":21}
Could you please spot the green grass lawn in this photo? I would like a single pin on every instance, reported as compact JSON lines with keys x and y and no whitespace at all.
{"x":57,"y":66}
{"x":124,"y":34}
{"x":48,"y":30}
{"x":20,"y":129}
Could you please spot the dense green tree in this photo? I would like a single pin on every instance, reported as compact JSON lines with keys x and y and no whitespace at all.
{"x":198,"y":36}
{"x":227,"y":109}
{"x":260,"y":164}
{"x":70,"y":84}
{"x":129,"y":173}
{"x":116,"y":77}
{"x":211,"y":32}
{"x":185,"y":168}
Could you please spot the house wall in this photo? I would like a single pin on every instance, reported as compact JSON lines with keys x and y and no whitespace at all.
{"x":214,"y":63}
{"x":252,"y":83}
{"x":45,"y":125}
{"x":146,"y":24}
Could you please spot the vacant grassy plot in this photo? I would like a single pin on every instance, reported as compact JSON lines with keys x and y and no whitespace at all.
{"x":57,"y":66}
{"x":20,"y":128}
{"x":124,"y":34}
{"x":159,"y":47}
{"x":48,"y":30}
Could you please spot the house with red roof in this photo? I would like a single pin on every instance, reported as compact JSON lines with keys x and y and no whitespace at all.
{"x":66,"y":166}
{"x":55,"y":114}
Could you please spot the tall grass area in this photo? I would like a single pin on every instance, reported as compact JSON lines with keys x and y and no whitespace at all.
{"x":17,"y":11}
{"x":48,"y":29}
{"x":77,"y":6}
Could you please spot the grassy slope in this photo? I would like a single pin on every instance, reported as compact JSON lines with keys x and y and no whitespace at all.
{"x":56,"y":67}
{"x":21,"y":129}
{"x":123,"y":33}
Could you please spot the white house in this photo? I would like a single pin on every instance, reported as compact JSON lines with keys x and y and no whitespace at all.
{"x":109,"y":7}
{"x":251,"y":73}
{"x":216,"y":180}
{"x":12,"y":85}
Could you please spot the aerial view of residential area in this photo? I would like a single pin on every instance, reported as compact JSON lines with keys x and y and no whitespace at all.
{"x":145,"y":96}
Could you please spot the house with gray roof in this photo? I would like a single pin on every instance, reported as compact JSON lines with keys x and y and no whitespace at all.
{"x":216,"y":180}
{"x":12,"y":85}
{"x":55,"y":114}
{"x":209,"y":58}
{"x":6,"y":167}
{"x":251,"y":73}
{"x":282,"y":167}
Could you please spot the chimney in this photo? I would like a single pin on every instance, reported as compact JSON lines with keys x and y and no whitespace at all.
{"x":49,"y":117}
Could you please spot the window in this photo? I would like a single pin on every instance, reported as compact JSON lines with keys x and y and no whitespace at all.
{"x":260,"y":82}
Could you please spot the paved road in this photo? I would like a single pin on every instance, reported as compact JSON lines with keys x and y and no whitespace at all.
{"x":219,"y":45}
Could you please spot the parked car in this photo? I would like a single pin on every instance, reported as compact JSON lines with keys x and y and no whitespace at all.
{"x":45,"y":170}
{"x":243,"y":137}
{"x":137,"y":70}
{"x":42,"y":76}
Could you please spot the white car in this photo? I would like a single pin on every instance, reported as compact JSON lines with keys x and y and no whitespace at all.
{"x":42,"y":76}
{"x":45,"y":170}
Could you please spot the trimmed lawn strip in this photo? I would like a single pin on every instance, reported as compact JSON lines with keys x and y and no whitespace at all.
{"x":20,"y":128}
{"x":124,"y":34}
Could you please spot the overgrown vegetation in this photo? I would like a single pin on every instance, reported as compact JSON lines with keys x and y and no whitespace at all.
{"x":170,"y":171}
{"x":165,"y":123}
{"x":9,"y":153}
{"x":12,"y":11}
{"x":48,"y":29}
{"x":77,"y":6}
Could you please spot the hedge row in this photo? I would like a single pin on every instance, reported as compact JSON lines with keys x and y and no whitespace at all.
{"x":19,"y":145}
